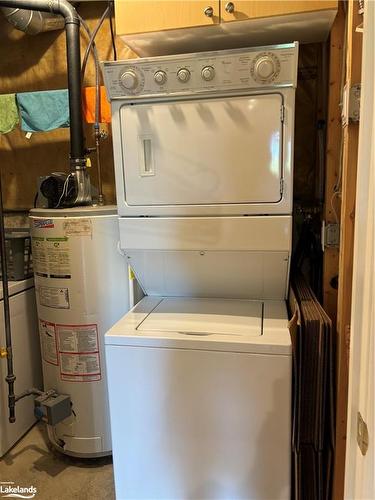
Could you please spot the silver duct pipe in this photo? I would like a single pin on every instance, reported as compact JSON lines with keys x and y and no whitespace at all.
{"x":32,"y":22}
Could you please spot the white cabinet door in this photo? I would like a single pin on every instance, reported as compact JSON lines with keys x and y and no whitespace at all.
{"x":203,"y":152}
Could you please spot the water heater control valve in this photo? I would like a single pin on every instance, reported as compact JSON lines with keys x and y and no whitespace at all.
{"x":52,"y":407}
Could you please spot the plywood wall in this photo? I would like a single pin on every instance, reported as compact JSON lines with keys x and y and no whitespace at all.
{"x":38,"y":62}
{"x":309,"y":101}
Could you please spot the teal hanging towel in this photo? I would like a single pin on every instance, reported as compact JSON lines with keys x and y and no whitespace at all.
{"x":8,"y":113}
{"x":43,"y":111}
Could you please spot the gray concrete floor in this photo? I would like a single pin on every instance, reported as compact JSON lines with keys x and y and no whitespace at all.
{"x":32,"y":462}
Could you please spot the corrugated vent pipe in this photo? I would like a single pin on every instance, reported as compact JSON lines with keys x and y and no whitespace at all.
{"x":33,"y":22}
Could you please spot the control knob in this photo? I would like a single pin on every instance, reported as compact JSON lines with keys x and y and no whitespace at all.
{"x":129,"y":80}
{"x":183,"y":75}
{"x":160,"y":77}
{"x":265,"y":68}
{"x":208,"y":73}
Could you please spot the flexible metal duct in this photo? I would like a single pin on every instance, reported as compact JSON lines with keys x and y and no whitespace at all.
{"x":33,"y":22}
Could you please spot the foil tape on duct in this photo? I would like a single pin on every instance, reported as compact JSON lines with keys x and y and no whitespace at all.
{"x":33,"y":22}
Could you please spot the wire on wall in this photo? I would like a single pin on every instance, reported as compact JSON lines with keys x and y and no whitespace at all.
{"x":337,"y":187}
{"x":91,"y":47}
{"x":110,"y":13}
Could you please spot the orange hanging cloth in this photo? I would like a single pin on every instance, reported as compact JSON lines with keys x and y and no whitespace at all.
{"x":88,"y":105}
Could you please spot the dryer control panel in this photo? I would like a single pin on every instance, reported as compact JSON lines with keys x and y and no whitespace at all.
{"x":205,"y":72}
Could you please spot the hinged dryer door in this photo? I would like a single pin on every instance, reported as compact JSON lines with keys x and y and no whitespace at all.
{"x":204,"y":152}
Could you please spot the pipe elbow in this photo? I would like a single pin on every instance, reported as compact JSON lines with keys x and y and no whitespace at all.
{"x":67,"y":10}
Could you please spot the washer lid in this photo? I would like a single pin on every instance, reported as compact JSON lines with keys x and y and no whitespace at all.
{"x":227,"y":325}
{"x":194,"y":316}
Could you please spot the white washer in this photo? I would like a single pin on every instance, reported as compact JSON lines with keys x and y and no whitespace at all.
{"x":200,"y":398}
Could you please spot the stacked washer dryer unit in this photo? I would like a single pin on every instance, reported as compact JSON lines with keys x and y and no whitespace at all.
{"x":199,"y":372}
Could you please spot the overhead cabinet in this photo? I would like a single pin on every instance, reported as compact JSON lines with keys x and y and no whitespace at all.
{"x":241,"y":10}
{"x":134,"y":16}
{"x":171,"y":27}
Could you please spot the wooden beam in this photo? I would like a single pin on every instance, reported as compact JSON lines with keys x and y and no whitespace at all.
{"x":334,"y":135}
{"x":348,"y":197}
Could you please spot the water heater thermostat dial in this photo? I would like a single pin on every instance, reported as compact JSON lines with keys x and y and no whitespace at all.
{"x":265,"y":67}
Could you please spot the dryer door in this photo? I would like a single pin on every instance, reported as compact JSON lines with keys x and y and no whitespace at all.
{"x":204,"y":152}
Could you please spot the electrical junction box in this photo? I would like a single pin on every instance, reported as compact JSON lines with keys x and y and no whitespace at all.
{"x":351,"y":104}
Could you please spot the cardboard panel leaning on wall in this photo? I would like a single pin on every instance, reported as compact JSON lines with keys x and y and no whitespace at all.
{"x":38,"y":62}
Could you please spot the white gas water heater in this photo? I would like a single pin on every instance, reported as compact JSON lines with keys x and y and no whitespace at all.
{"x":81,"y":283}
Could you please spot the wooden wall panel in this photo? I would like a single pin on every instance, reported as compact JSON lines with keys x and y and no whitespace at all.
{"x":38,"y":62}
{"x":348,"y":200}
{"x":305,"y":134}
{"x":334,"y":138}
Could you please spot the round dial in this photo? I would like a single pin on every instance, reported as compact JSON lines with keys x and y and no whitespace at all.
{"x":208,"y":73}
{"x":129,"y":79}
{"x":183,"y":75}
{"x":160,"y":77}
{"x":265,"y":67}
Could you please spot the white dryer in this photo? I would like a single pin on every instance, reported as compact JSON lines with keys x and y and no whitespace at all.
{"x":199,"y":372}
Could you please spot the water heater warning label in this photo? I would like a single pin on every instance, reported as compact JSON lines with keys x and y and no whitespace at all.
{"x":80,"y":367}
{"x":48,"y":342}
{"x":78,"y":227}
{"x":51,"y":257}
{"x":40,"y":262}
{"x":79,"y":352}
{"x":57,"y":298}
